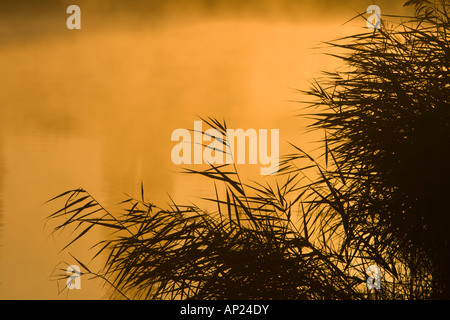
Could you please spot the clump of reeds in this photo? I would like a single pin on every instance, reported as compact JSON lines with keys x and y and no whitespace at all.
{"x":379,"y":197}
{"x":387,"y":121}
{"x":250,"y":247}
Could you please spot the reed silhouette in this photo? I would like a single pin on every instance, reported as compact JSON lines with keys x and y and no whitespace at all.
{"x":388,"y":125}
{"x":376,"y":196}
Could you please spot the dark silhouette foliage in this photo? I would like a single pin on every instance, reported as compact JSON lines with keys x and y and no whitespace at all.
{"x":388,"y":126}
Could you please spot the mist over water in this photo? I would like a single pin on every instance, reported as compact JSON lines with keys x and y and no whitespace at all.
{"x":95,"y":108}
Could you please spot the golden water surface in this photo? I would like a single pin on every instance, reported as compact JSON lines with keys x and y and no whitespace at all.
{"x":95,"y":108}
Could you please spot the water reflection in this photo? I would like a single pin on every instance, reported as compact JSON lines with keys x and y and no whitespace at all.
{"x":96,"y":109}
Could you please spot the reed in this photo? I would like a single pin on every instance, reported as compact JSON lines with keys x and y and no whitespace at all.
{"x":376,"y":196}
